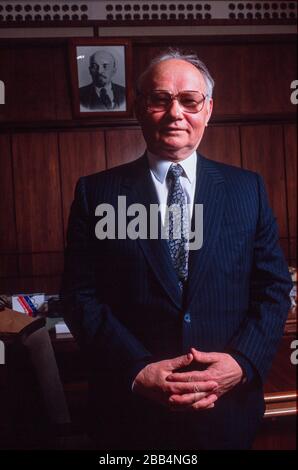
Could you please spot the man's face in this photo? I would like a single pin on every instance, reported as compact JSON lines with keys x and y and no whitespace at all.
{"x":102,"y":68}
{"x":173,"y":133}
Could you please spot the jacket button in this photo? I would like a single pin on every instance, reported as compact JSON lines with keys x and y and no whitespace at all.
{"x":187,"y":318}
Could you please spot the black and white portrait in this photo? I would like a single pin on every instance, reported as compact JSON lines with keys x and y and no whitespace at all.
{"x":101,"y":77}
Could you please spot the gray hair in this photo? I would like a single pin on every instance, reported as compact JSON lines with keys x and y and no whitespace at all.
{"x":191,"y":57}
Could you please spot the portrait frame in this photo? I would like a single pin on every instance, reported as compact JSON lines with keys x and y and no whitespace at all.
{"x":87,"y":81}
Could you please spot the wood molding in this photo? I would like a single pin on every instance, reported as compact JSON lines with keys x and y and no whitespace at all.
{"x":107,"y":123}
{"x":163,"y":40}
{"x":158,"y":22}
{"x":280,"y":404}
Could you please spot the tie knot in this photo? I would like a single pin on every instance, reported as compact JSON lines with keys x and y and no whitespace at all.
{"x":175,"y":171}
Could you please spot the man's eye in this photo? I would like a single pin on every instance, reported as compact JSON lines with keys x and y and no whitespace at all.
{"x":188,"y":101}
{"x":161,"y":99}
{"x":191,"y":102}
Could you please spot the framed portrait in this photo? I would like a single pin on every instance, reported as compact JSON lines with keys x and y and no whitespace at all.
{"x":101,"y":77}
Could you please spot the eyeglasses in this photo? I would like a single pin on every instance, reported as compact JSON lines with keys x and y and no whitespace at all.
{"x":189,"y":101}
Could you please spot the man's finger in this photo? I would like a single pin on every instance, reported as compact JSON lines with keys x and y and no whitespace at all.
{"x":193,"y":376}
{"x":180,"y":361}
{"x":204,"y":357}
{"x":187,"y":398}
{"x":191,"y":403}
{"x":178,"y":388}
{"x":210,"y":406}
{"x":205,"y":402}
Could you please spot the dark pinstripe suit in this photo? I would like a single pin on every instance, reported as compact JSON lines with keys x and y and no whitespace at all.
{"x":123,"y":304}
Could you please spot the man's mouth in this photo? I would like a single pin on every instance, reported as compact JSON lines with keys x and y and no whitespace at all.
{"x":172,"y":129}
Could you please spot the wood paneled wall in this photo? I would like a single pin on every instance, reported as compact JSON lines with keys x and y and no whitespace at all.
{"x":252,"y":74}
{"x":43,"y":150}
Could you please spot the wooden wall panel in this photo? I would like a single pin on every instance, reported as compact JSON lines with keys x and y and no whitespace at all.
{"x":37,"y":83}
{"x":124,"y":146}
{"x":222,"y":144}
{"x":81,"y":153}
{"x":290,"y":133}
{"x":34,"y":95}
{"x":41,"y":264}
{"x":248,"y":78}
{"x":46,"y":284}
{"x":277,"y":434}
{"x":144,"y":53}
{"x":229,"y":89}
{"x":284,"y":243}
{"x":61,"y":83}
{"x":37,"y":191}
{"x":247,"y":75}
{"x":262,"y":151}
{"x":293,"y":251}
{"x":8,"y":266}
{"x":9,"y":285}
{"x":38,"y":185}
{"x":7,"y":209}
{"x":6,"y":65}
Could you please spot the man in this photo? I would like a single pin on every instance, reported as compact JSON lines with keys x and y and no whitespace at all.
{"x":102,"y":94}
{"x":179,"y":341}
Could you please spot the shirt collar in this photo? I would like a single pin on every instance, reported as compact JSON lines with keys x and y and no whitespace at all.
{"x":108,"y":90}
{"x":108,"y":87}
{"x":160,"y":167}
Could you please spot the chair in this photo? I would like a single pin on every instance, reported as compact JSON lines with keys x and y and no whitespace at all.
{"x":37,"y":405}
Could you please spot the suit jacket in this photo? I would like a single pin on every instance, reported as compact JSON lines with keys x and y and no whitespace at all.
{"x":123,"y":304}
{"x":89,"y":98}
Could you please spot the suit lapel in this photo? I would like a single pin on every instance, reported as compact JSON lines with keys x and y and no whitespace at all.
{"x":141,"y":190}
{"x":210,"y":191}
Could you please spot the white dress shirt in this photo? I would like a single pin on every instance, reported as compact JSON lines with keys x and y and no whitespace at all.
{"x":159,"y":169}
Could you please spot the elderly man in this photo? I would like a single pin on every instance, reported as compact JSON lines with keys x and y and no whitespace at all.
{"x":179,"y":340}
{"x":102,"y":94}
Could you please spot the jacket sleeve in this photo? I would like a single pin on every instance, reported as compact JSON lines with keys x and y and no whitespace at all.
{"x":270,"y":285}
{"x":96,"y":328}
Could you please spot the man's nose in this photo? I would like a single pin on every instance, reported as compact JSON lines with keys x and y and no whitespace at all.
{"x":175,"y":110}
{"x":100,"y":69}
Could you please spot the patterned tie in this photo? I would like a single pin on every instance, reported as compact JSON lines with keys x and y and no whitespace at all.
{"x":105,"y":98}
{"x":179,"y":223}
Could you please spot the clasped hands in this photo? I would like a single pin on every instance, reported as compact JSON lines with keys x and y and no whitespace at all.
{"x":181,"y":391}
